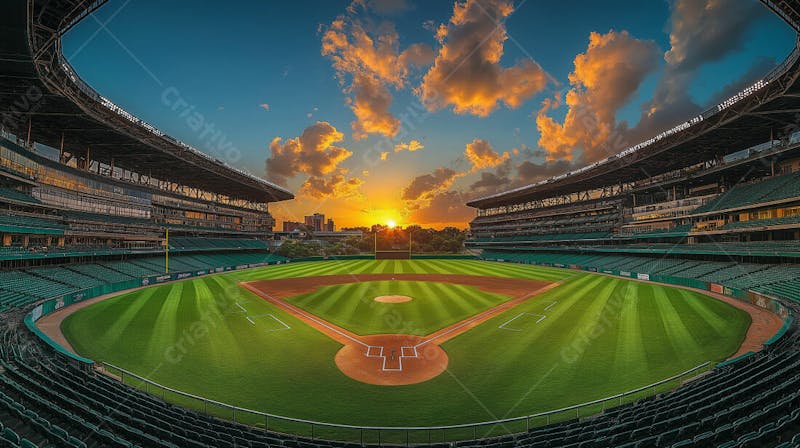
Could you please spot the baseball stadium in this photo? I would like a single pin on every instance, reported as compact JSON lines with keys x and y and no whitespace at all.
{"x":643,"y":300}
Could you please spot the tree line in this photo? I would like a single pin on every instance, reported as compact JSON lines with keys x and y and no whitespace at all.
{"x":449,"y":240}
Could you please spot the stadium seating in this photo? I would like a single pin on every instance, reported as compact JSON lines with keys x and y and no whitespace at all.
{"x":107,"y":218}
{"x":772,"y":189}
{"x":18,"y":196}
{"x":762,"y":223}
{"x":31,"y":224}
{"x":19,"y":287}
{"x":211,"y":244}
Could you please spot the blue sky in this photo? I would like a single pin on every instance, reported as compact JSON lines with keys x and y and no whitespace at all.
{"x":225,"y":60}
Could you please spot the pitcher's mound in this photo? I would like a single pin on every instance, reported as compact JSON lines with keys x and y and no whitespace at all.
{"x":393,"y":299}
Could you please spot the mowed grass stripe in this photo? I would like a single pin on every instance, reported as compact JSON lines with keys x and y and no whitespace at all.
{"x":631,"y":357}
{"x":708,"y":312}
{"x":653,"y":331}
{"x":165,"y":326}
{"x":519,"y":270}
{"x":117,"y":313}
{"x":713,"y":339}
{"x":677,"y":333}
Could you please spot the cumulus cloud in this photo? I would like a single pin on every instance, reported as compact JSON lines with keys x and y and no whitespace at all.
{"x":707,"y":30}
{"x":413,"y":145}
{"x":337,"y":185}
{"x":444,"y":208}
{"x":367,"y":61}
{"x":466,"y":73}
{"x":481,"y":155}
{"x":424,"y":186}
{"x":264,"y":106}
{"x":315,"y":154}
{"x":494,"y":181}
{"x":701,"y":31}
{"x":507,"y":175}
{"x":604,"y":78}
{"x":370,"y":105}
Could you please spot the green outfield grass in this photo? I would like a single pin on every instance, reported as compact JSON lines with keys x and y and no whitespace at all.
{"x":601,"y":336}
{"x":434,"y":306}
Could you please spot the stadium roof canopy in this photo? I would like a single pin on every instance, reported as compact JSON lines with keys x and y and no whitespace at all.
{"x":768,"y":109}
{"x":41,"y":93}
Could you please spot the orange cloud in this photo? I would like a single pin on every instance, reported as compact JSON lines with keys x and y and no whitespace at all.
{"x":446,"y":208}
{"x":467,"y":74}
{"x":371,"y":61}
{"x":411,"y":146}
{"x":603,"y":80}
{"x":371,"y":108}
{"x":481,"y":155}
{"x":422,"y":187}
{"x":336,"y":185}
{"x":313,"y":153}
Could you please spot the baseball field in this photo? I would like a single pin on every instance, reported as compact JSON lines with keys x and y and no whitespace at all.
{"x":407,"y":342}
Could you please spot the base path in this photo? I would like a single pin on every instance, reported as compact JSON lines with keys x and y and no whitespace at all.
{"x":395,"y":359}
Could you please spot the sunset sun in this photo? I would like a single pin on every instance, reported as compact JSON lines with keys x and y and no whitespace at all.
{"x":391,"y":224}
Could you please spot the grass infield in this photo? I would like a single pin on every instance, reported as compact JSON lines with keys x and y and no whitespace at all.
{"x":599,"y":336}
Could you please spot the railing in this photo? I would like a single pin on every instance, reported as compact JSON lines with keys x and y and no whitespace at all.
{"x":407,"y":436}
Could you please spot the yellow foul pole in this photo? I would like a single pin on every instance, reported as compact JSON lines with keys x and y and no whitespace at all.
{"x":166,"y":254}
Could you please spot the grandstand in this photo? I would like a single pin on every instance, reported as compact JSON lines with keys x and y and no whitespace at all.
{"x":718,"y":209}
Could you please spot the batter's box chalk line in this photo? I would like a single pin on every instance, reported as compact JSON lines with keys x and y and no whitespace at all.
{"x":283,"y":325}
{"x":236,"y":310}
{"x":507,"y":324}
{"x":374,"y":351}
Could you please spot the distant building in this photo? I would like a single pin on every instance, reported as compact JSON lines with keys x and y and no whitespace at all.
{"x":330,"y":226}
{"x":291,"y":226}
{"x":315,"y":222}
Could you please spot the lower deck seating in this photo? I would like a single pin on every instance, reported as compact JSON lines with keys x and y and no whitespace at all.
{"x":19,"y":287}
{"x":47,"y":400}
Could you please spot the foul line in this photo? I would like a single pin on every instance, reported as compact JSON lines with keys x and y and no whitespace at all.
{"x":550,"y":306}
{"x":503,"y":326}
{"x":491,"y":312}
{"x":295,"y":310}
